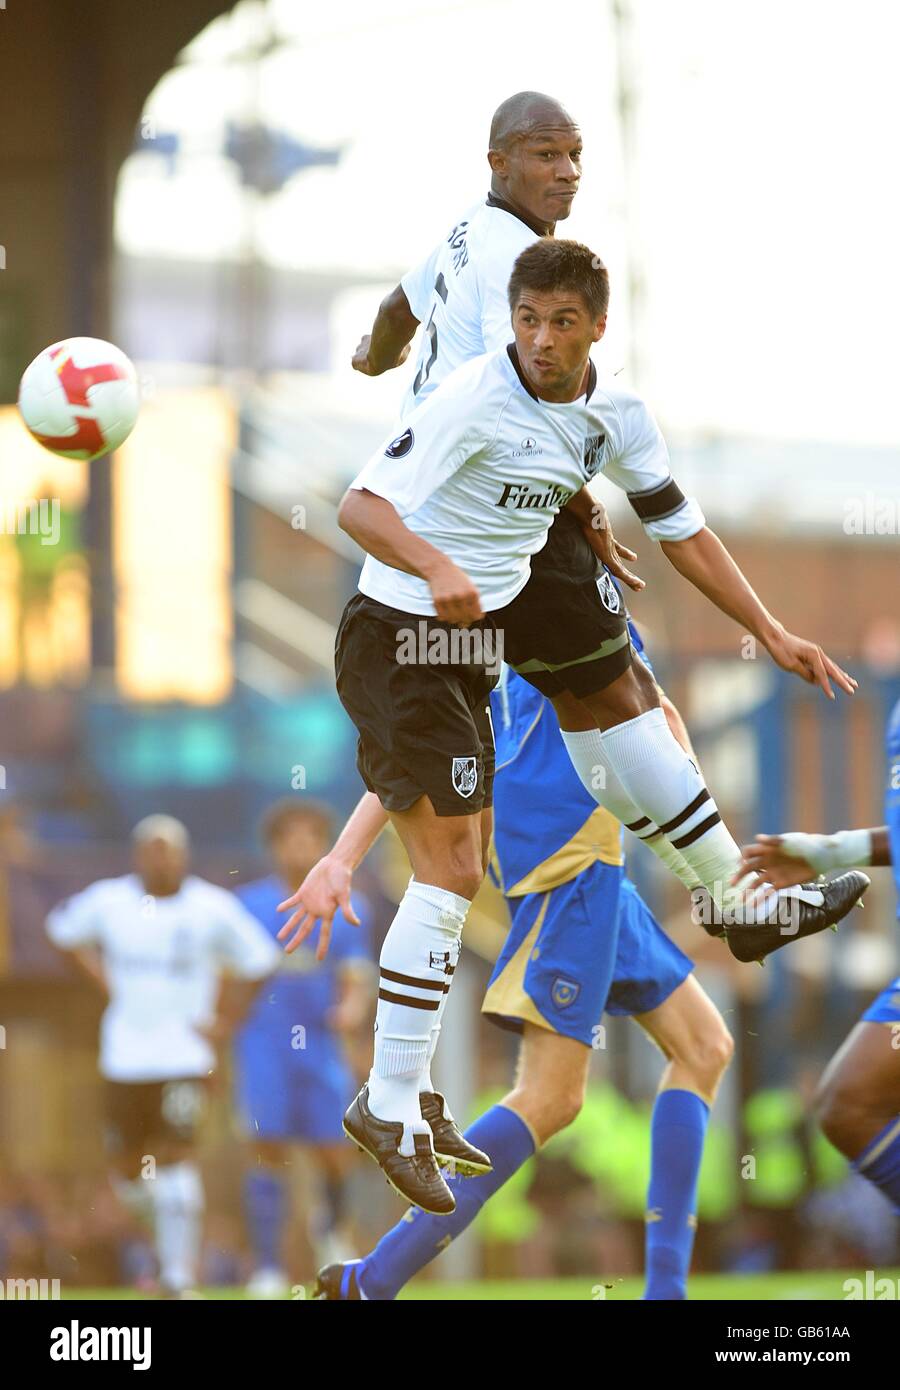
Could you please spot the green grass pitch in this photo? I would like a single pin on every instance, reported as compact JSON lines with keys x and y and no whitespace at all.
{"x":814,"y":1285}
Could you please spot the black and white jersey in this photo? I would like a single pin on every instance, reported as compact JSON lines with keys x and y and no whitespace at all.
{"x":483,"y":466}
{"x":459,"y":293}
{"x":162,"y":959}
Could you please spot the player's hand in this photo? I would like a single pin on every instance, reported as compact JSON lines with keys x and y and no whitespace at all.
{"x":325,"y":889}
{"x":776,"y":859}
{"x":610,"y":551}
{"x":360,"y":359}
{"x":809,"y":662}
{"x":456,"y":600}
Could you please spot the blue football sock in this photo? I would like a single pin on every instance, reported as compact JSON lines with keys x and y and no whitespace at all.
{"x":418,"y":1237}
{"x":880,"y":1162}
{"x":264,"y":1207}
{"x":677,"y":1131}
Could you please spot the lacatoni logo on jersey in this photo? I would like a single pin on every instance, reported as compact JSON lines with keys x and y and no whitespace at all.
{"x":528,"y":450}
{"x":400,"y":446}
{"x":465,"y":775}
{"x":519,"y":495}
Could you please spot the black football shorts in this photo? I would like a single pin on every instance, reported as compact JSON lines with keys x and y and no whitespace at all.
{"x":138,"y":1112}
{"x":418,"y":691}
{"x":568,"y":628}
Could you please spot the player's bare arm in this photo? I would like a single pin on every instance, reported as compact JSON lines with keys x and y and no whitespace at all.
{"x":709,"y":566}
{"x":387,"y":346}
{"x":327,"y":885}
{"x":784,"y":860}
{"x":598,"y":530}
{"x":375,"y":525}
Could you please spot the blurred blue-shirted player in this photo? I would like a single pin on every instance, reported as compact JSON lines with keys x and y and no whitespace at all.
{"x":858,"y":1100}
{"x":293,"y":1079}
{"x":581,"y":941}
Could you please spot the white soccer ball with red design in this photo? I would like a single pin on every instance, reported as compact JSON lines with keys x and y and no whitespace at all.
{"x":80,"y":398}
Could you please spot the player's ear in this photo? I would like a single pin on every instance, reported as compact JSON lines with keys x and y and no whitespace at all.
{"x":498,"y":162}
{"x":599,"y":328}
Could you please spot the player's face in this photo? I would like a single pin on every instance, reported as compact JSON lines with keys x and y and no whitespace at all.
{"x":540,"y":173}
{"x":554,"y":332}
{"x":299,"y":845}
{"x":162,"y":866}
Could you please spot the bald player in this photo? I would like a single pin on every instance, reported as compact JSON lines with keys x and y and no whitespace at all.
{"x":158,"y":943}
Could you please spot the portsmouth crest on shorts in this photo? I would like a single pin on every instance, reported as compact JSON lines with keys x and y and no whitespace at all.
{"x":465,"y":775}
{"x":564,"y":992}
{"x":609,"y":594}
{"x":593,"y":453}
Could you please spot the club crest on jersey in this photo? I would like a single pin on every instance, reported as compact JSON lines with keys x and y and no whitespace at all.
{"x":564,"y":992}
{"x":609,"y":594}
{"x":400,"y":446}
{"x":465,"y":775}
{"x":593,"y":450}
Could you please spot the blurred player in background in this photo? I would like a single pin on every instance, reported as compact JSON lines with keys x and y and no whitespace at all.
{"x":858,"y":1100}
{"x":581,"y":941}
{"x":180,"y":961}
{"x":294,"y":1081}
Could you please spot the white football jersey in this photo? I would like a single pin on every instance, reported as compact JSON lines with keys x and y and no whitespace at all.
{"x":459,"y":293}
{"x":162,"y":958}
{"x":483,"y":466}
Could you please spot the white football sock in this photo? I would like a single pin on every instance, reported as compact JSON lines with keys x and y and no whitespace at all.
{"x":665,"y":784}
{"x":425,"y":1081}
{"x":589,"y":759}
{"x":417,"y":958}
{"x":178,"y":1213}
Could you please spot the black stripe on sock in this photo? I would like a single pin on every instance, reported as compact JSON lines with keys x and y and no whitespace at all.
{"x":688,"y":811}
{"x":637,"y":825}
{"x":430,"y":1004}
{"x":697,"y":831}
{"x":399,"y":979}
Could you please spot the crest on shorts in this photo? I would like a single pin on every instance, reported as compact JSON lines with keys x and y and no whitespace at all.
{"x":400,"y":446}
{"x":593,"y":450}
{"x":465,"y":775}
{"x":564,"y":992}
{"x":609,"y":594}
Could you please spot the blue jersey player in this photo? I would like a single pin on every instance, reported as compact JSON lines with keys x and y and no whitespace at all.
{"x":581,"y":941}
{"x":858,"y":1100}
{"x":293,"y":1079}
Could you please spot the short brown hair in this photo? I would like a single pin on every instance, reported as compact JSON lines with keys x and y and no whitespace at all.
{"x":291,"y":808}
{"x":552,"y":263}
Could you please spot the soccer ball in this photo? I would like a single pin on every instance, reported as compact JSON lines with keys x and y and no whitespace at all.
{"x":80,"y":398}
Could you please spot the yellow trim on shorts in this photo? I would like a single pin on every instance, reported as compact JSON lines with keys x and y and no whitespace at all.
{"x":507,"y":994}
{"x":599,"y":839}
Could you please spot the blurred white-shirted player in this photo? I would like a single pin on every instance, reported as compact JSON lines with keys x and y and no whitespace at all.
{"x":180,"y":960}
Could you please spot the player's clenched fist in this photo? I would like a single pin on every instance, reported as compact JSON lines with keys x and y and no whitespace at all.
{"x":456,"y":599}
